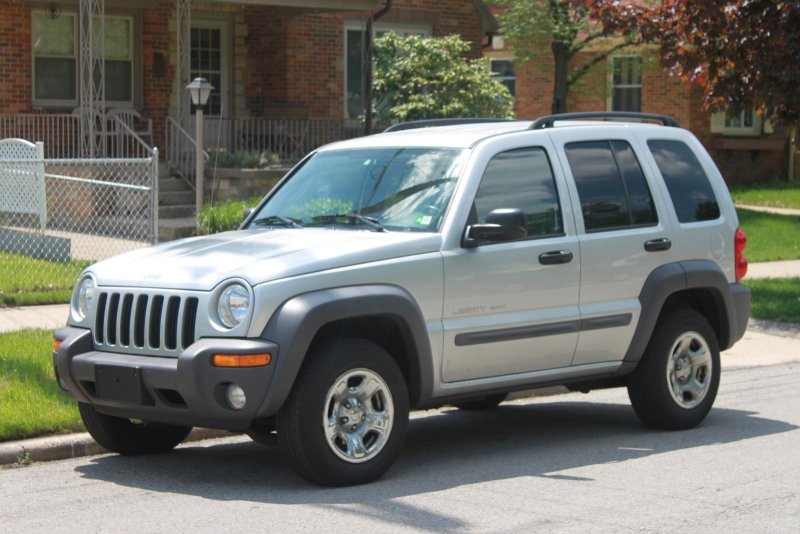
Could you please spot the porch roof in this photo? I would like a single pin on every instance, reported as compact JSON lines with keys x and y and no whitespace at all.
{"x":349,"y":5}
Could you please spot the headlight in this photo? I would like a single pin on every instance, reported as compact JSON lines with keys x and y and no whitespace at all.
{"x":233,"y":305}
{"x":85,"y":297}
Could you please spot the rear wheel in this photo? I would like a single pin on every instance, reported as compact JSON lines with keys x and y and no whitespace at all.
{"x":675,"y":384}
{"x":130,"y":437}
{"x":346,"y":418}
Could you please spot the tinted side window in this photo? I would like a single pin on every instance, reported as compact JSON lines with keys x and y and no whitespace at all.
{"x":522,"y":179}
{"x":611,"y":185}
{"x":688,"y":185}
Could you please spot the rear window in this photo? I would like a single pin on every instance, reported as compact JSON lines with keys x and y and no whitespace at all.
{"x":688,"y":185}
{"x":611,"y":186}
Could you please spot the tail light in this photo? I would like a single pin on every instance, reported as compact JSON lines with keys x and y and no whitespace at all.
{"x":741,"y":261}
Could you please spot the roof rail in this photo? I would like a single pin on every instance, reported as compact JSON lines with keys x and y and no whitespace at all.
{"x":429,"y":123}
{"x":547,"y":122}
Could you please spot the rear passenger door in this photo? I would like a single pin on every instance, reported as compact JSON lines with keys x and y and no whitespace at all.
{"x":622,"y":231}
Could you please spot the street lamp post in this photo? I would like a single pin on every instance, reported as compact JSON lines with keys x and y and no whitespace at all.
{"x":200,"y":90}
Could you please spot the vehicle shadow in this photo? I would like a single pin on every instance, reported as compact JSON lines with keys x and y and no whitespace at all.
{"x":444,"y":449}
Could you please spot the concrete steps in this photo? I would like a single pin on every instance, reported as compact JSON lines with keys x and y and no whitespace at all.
{"x":176,"y":207}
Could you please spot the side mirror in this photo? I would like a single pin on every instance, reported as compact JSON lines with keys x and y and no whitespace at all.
{"x":504,"y":224}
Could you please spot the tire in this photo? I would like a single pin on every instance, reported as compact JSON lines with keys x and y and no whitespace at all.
{"x":486,"y":403}
{"x":675,"y":384}
{"x":346,"y":418}
{"x":126,"y":437}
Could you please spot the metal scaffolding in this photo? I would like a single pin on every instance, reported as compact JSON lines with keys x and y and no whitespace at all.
{"x":92,"y":77}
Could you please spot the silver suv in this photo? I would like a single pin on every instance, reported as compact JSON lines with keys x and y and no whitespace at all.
{"x":433,"y":264}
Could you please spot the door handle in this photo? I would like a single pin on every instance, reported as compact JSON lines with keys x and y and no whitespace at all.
{"x":555,"y":257}
{"x":655,"y":245}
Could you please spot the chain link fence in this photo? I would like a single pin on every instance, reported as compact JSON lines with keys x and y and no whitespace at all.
{"x":57,"y":216}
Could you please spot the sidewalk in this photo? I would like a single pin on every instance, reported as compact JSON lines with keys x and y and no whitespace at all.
{"x":769,"y":209}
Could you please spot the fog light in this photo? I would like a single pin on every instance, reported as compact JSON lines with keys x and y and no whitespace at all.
{"x":235,"y":396}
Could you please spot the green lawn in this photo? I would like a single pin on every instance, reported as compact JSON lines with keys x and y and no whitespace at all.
{"x":775,"y":194}
{"x":25,"y":280}
{"x":776,"y":299}
{"x":770,"y":237}
{"x":31,"y":403}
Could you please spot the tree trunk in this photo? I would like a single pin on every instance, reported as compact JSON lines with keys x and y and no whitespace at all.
{"x":560,"y":87}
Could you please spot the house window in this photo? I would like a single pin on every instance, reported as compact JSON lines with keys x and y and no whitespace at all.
{"x":503,"y":70}
{"x":354,"y":60}
{"x":54,"y":64}
{"x":55,"y":59}
{"x":626,"y":81}
{"x":746,"y":122}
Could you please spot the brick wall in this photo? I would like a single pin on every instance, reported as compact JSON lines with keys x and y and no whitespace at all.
{"x":15,"y":56}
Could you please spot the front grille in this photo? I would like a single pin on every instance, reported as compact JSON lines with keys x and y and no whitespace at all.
{"x":145,"y":322}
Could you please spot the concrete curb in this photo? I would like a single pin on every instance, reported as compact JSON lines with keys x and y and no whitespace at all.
{"x":62,"y":447}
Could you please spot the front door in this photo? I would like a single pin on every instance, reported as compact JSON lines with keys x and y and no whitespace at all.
{"x":512,"y":307}
{"x":208,"y":59}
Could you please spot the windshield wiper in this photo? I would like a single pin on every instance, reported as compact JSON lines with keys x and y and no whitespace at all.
{"x":271,"y":220}
{"x":369,"y":221}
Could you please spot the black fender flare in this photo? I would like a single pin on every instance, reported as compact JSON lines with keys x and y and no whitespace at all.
{"x":732,"y":301}
{"x":295,"y":323}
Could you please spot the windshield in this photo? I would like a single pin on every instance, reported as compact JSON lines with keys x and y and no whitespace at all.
{"x":396,"y":189}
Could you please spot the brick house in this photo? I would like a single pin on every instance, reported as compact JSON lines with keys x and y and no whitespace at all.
{"x":282,"y":58}
{"x":745,"y":147}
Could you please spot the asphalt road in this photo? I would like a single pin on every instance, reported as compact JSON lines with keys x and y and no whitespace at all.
{"x":570,"y":463}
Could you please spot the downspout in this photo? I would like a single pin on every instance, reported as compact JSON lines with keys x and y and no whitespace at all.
{"x":367,"y":89}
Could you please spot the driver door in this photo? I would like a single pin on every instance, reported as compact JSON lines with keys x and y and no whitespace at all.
{"x":512,"y":307}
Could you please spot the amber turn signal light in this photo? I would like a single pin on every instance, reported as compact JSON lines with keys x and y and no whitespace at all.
{"x":241,"y":360}
{"x":56,"y":344}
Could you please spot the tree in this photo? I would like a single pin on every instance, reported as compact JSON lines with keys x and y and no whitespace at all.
{"x":742,"y":53}
{"x":562,"y":29}
{"x":428,"y":78}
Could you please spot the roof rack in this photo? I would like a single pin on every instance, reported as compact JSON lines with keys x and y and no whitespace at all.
{"x":547,"y":122}
{"x":429,"y":123}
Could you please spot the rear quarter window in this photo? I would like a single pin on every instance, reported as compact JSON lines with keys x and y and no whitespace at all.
{"x":687,"y":183}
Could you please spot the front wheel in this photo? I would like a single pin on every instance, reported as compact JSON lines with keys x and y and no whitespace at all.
{"x":128,"y":437}
{"x":675,"y":384}
{"x":346,"y":418}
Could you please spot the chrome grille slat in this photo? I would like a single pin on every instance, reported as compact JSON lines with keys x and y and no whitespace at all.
{"x":145,"y":323}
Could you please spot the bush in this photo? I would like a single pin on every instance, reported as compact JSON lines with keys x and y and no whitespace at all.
{"x":225,"y":216}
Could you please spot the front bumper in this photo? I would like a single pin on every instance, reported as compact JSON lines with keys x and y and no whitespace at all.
{"x":187,"y":390}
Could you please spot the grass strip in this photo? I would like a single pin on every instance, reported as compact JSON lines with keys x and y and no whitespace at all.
{"x":31,"y":403}
{"x":775,"y":299}
{"x":27,"y":281}
{"x":773,"y":194}
{"x":770,"y":237}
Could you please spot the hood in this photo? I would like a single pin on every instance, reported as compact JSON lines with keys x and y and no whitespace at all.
{"x":256,"y":256}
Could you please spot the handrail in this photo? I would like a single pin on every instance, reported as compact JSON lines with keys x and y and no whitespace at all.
{"x":125,"y":129}
{"x":181,"y":149}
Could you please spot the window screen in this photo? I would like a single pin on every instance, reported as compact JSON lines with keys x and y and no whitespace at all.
{"x":688,"y":185}
{"x":521,"y":179}
{"x":611,"y":186}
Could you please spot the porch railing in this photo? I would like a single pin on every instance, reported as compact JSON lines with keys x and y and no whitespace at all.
{"x":291,"y":139}
{"x":61,"y":135}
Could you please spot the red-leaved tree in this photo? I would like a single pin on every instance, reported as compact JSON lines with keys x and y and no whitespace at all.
{"x":742,"y":53}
